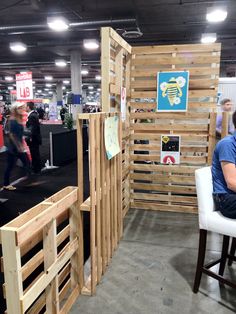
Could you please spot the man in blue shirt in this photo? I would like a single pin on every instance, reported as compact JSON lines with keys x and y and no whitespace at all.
{"x":224,"y":174}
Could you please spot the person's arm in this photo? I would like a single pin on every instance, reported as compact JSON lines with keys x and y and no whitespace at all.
{"x":229,"y":171}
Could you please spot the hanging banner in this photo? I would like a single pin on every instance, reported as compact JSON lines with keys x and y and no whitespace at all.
{"x":24,"y":86}
{"x":123,"y":103}
{"x":170,"y":149}
{"x":111,"y":136}
{"x":172,"y":91}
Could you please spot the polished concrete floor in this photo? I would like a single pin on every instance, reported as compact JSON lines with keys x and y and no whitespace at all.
{"x":153,"y":269}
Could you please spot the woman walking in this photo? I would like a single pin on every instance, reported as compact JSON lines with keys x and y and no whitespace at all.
{"x":15,"y":147}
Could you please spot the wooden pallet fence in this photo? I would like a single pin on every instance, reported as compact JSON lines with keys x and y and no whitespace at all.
{"x":171,"y":187}
{"x":43,"y":268}
{"x":105,"y":201}
{"x":115,"y":62}
{"x":137,"y":70}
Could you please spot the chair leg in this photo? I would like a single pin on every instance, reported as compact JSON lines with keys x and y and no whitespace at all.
{"x":232,"y":251}
{"x":200,"y":260}
{"x":224,"y":254}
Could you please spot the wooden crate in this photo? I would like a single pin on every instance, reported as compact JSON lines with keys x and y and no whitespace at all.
{"x":43,"y":267}
{"x":105,"y":201}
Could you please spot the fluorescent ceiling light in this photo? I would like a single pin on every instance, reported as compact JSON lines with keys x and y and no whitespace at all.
{"x":48,"y":85}
{"x":58,"y":24}
{"x":46,"y":89}
{"x":50,"y":92}
{"x":33,"y":82}
{"x":91,"y":44}
{"x":60,"y":63}
{"x":84,"y":72}
{"x":63,"y":87}
{"x":48,"y":77}
{"x":90,"y":92}
{"x":215,"y":15}
{"x":66,"y":82}
{"x":98,"y":89}
{"x":10,"y":87}
{"x":90,"y":87}
{"x":39,"y":91}
{"x":98,"y":77}
{"x":208,"y":38}
{"x":18,"y":47}
{"x":8,"y":78}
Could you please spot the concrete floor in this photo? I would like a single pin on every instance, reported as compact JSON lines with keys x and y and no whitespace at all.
{"x":153,"y":269}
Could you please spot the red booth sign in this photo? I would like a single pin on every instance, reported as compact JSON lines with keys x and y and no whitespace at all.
{"x":24,"y":86}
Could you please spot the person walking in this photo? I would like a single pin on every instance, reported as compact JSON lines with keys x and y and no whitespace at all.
{"x":15,"y":147}
{"x":34,"y":139}
{"x":225,"y":106}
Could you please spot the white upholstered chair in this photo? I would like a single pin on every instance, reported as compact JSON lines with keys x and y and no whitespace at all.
{"x":210,"y":220}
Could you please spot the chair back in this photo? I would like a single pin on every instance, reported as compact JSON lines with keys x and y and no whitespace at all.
{"x":204,"y":186}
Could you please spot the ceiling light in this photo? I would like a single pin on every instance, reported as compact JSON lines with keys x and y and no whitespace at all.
{"x":33,"y":82}
{"x":10,"y":87}
{"x":18,"y":47}
{"x":98,"y":89}
{"x":50,"y":92}
{"x":60,"y":63}
{"x":208,"y":38}
{"x":98,"y":77}
{"x":66,"y":82}
{"x":58,"y":24}
{"x":48,"y":85}
{"x":90,"y":92}
{"x":8,"y":78}
{"x":215,"y":15}
{"x":91,"y":44}
{"x":46,"y":89}
{"x":84,"y":72}
{"x":48,"y":77}
{"x":90,"y":87}
{"x":63,"y":87}
{"x":39,"y":91}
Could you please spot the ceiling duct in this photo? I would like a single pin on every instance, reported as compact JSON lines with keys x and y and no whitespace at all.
{"x":131,"y":34}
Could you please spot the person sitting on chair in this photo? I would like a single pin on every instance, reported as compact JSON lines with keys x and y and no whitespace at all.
{"x":224,"y":174}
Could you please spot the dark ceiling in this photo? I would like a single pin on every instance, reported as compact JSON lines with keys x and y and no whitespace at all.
{"x":160,"y":21}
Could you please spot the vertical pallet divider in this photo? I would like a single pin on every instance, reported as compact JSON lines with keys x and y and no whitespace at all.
{"x":108,"y":207}
{"x":80,"y":176}
{"x":92,"y":137}
{"x":225,"y":123}
{"x":212,"y":137}
{"x":103,"y":197}
{"x":119,"y":183}
{"x":98,"y":196}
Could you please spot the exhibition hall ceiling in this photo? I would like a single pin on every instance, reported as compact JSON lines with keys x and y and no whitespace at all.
{"x":161,"y":22}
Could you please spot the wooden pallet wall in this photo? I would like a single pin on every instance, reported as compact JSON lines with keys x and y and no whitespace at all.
{"x":43,"y":256}
{"x":105,"y":201}
{"x":171,"y":187}
{"x":115,"y":70}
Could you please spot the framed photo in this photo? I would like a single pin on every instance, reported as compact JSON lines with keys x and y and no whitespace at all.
{"x":170,"y":149}
{"x":172,"y":91}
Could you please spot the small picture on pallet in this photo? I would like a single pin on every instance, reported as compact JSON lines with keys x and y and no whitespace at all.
{"x":170,"y":149}
{"x":172,"y":91}
{"x":111,"y":136}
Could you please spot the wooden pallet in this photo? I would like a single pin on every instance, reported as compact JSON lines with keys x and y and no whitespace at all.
{"x":105,"y":201}
{"x":42,"y":257}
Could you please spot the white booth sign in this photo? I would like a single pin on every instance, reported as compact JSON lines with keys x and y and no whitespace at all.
{"x":24,"y":86}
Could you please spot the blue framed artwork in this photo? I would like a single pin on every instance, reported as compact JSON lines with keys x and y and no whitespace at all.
{"x":172,"y":91}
